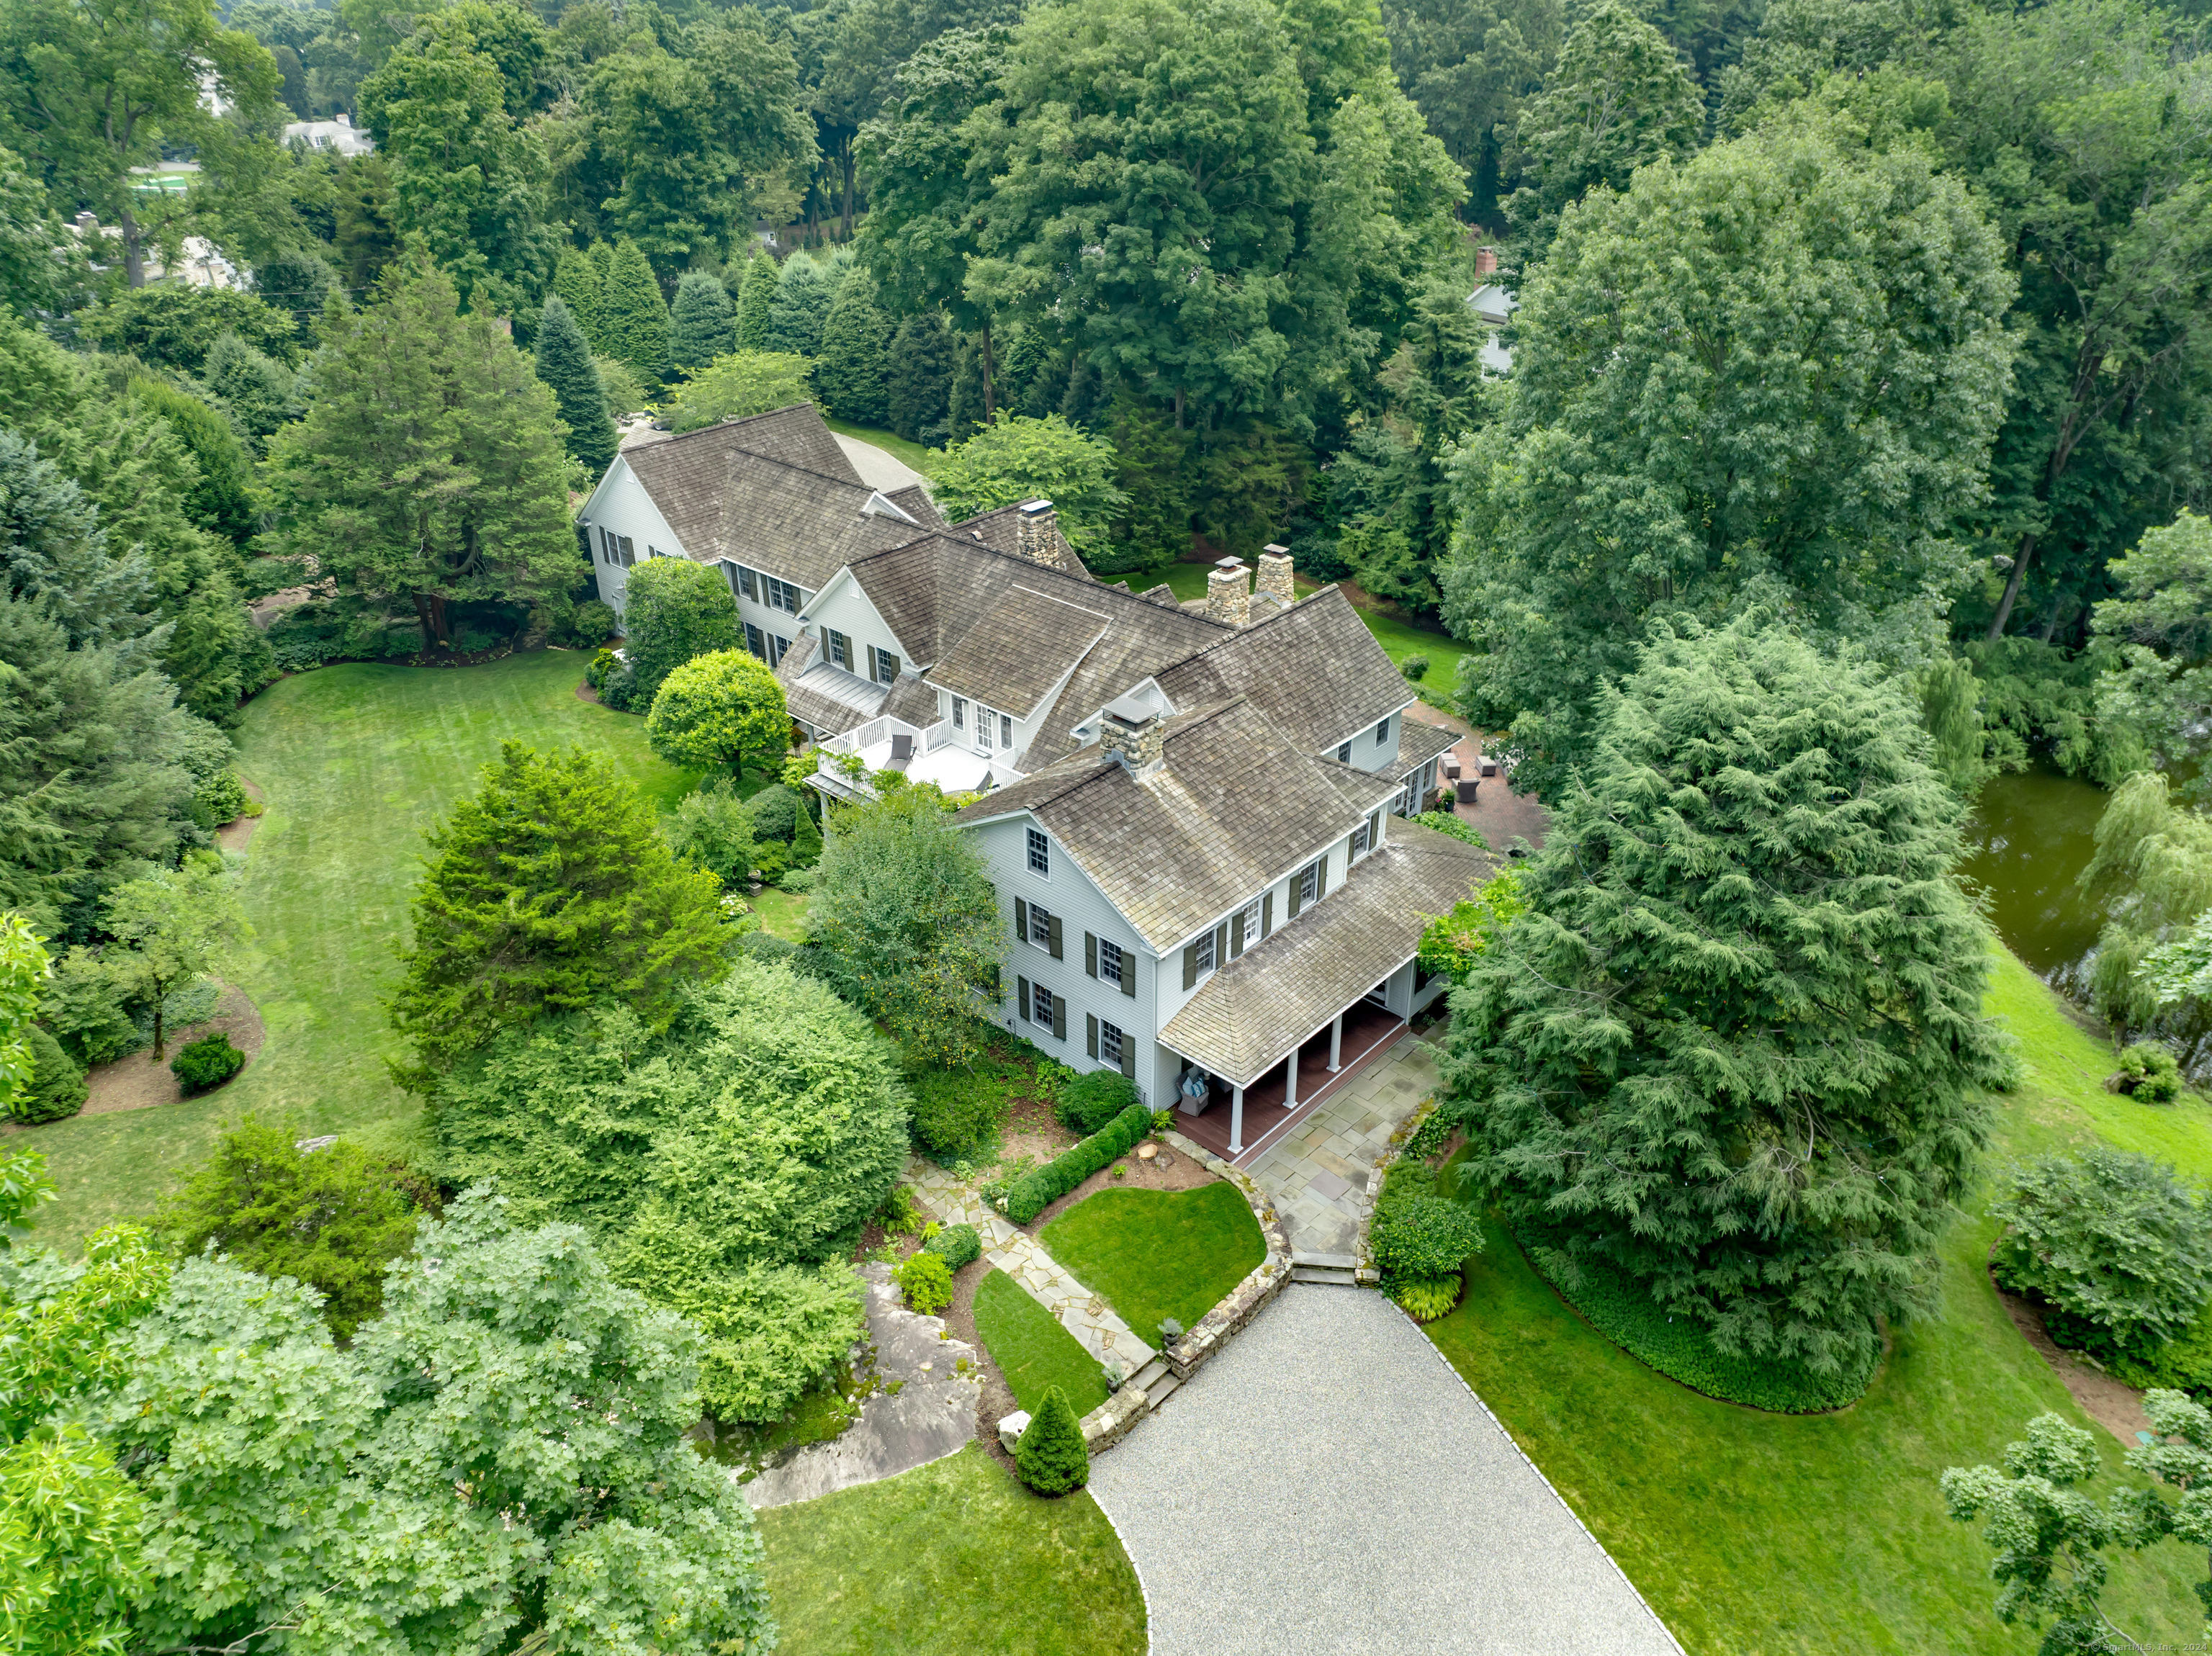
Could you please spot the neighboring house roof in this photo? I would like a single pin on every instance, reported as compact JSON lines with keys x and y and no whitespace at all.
{"x":1252,"y":1012}
{"x":1315,"y":669}
{"x":1233,"y":807}
{"x":1492,"y":303}
{"x":1022,"y":646}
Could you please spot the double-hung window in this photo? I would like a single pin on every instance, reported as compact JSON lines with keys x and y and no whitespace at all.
{"x":840,"y":646}
{"x":959,"y":712}
{"x":1110,"y":961}
{"x":1109,"y":1044}
{"x":755,"y":642}
{"x":1309,"y":884}
{"x":1253,"y":921}
{"x":1359,"y":841}
{"x":747,"y":583}
{"x":883,"y":666}
{"x":1006,"y":732}
{"x":776,"y":647}
{"x":1040,"y":853}
{"x":1205,"y":954}
{"x":1382,"y":733}
{"x":629,"y":552}
{"x":1041,"y":1006}
{"x":782,"y":595}
{"x":1041,"y":927}
{"x":1344,"y":754}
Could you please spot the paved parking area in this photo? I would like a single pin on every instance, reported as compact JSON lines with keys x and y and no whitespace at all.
{"x":1328,"y":1484}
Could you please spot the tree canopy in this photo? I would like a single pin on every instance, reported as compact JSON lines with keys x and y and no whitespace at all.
{"x":719,"y":710}
{"x":1018,"y":459}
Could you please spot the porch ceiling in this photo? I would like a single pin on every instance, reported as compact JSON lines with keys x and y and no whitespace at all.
{"x":1249,"y":1014}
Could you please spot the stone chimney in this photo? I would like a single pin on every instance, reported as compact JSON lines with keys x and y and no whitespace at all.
{"x":1036,"y":533}
{"x":1228,"y":593}
{"x":1275,"y":574}
{"x":1486,"y":261}
{"x":1130,"y":734}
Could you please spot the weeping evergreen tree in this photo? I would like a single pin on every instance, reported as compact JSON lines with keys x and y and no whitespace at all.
{"x":578,"y":279}
{"x":633,"y":314}
{"x":564,"y":362}
{"x":702,"y":323}
{"x":1736,"y":1048}
{"x":756,"y":302}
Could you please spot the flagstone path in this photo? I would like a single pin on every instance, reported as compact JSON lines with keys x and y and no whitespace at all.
{"x":1320,"y":1173}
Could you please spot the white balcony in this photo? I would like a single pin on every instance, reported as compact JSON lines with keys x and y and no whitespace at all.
{"x":884,"y":744}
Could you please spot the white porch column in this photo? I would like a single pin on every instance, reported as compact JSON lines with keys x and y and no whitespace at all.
{"x":1237,"y":1121}
{"x":1291,"y":1082}
{"x":1336,"y":1044}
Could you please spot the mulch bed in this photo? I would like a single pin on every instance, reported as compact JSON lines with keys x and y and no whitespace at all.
{"x":140,"y":1082}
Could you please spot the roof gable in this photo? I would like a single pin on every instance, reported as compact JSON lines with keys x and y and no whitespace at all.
{"x":1313,"y":667}
{"x":1023,"y":646}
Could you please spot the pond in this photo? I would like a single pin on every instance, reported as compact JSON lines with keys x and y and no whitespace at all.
{"x":2029,"y":838}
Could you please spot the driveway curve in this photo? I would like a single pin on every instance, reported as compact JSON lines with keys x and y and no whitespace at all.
{"x":1328,"y":1483}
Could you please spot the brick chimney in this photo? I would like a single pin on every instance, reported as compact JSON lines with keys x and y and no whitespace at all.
{"x":1228,"y":593}
{"x":1486,"y":261}
{"x":1036,"y":533}
{"x":1275,"y":574}
{"x":1131,"y":736}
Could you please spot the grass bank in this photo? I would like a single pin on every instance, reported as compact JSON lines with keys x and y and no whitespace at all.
{"x":905,"y":453}
{"x":1153,"y":1254}
{"x":355,"y":762}
{"x":1032,"y":1351}
{"x":1750,"y":1532}
{"x":951,"y":1556}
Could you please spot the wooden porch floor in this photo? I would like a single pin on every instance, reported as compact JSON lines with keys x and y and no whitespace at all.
{"x":1368,"y":1031}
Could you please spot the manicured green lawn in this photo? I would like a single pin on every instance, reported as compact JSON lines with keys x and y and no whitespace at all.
{"x":354,"y":762}
{"x":907,"y":454}
{"x":1032,"y":1351}
{"x":955,"y":1555}
{"x":782,"y":913}
{"x":1751,"y":1532}
{"x":1153,"y":1254}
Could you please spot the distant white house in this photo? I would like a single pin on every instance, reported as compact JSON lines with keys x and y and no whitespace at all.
{"x":1493,"y":306}
{"x":339,"y":135}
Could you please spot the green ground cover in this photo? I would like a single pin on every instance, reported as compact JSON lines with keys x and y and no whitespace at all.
{"x":354,"y":762}
{"x":1751,"y":1532}
{"x":782,"y":913}
{"x":1153,"y":1254}
{"x":905,"y":453}
{"x":1032,"y":1351}
{"x":955,"y":1555}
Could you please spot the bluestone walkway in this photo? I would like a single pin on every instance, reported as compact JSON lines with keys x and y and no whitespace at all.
{"x":1328,"y":1484}
{"x":1320,"y":1173}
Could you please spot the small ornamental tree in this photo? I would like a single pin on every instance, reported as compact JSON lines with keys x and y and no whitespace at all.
{"x":719,"y":710}
{"x":755,"y":300}
{"x":634,"y":317}
{"x":1736,"y":1047}
{"x":172,"y":927}
{"x":564,"y":362}
{"x":745,"y":382}
{"x":702,"y":323}
{"x":1052,"y":1457}
{"x":547,"y":891}
{"x":1023,"y":459}
{"x":674,"y":611}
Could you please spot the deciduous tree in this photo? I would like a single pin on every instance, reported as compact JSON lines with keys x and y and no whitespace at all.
{"x":745,"y":382}
{"x":172,"y":927}
{"x":2161,"y":620}
{"x":673,"y":611}
{"x":1017,"y":459}
{"x":720,"y":710}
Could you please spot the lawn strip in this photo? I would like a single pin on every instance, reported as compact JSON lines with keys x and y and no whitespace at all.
{"x":1031,"y":1349}
{"x":1154,"y":1254}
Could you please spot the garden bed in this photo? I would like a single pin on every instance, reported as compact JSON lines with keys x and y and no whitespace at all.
{"x":1153,"y":1254}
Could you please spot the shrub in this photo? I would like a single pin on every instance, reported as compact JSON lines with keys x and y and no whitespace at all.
{"x":206,"y":1063}
{"x":772,"y":1330}
{"x":222,"y":797}
{"x":1444,"y":823}
{"x":82,"y":1004}
{"x":958,"y":1111}
{"x":2111,"y":1242}
{"x":776,"y":810}
{"x":2148,"y":1074}
{"x":927,"y":1282}
{"x":1427,"y":1298}
{"x":604,"y":665}
{"x":797,"y":880}
{"x":590,"y":623}
{"x":1424,"y":1236}
{"x":901,"y":1215}
{"x":56,"y":1090}
{"x":712,"y":828}
{"x":675,"y":611}
{"x":1089,"y":1102}
{"x":956,"y":1244}
{"x":2183,"y":1363}
{"x":1034,"y":1192}
{"x":771,"y":860}
{"x":1052,"y":1457}
{"x":333,"y":1218}
{"x":618,"y":690}
{"x":1415,"y":668}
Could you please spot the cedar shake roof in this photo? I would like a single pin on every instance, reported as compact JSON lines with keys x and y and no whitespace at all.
{"x":1315,"y":668}
{"x":1025,"y":644}
{"x":1362,"y":791}
{"x":1177,"y":849}
{"x":1248,"y":1016}
{"x":1418,"y":742}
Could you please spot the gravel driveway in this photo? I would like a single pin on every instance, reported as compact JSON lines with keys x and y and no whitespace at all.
{"x":1327,"y":1483}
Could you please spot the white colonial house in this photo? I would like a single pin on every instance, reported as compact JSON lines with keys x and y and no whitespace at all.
{"x":1192,"y":812}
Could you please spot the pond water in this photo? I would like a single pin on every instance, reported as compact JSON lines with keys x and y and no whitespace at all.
{"x":2030,"y":836}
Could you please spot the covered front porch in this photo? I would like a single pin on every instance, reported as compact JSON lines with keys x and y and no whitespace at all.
{"x":1239,"y":1124}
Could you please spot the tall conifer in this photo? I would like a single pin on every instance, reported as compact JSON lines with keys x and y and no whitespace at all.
{"x":849,"y":369}
{"x":702,"y":323}
{"x":564,"y":362}
{"x":636,"y":317}
{"x":579,"y":282}
{"x":756,"y":299}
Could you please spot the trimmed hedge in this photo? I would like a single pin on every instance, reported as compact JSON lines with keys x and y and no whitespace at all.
{"x":956,"y":1244}
{"x":1034,"y":1192}
{"x":1087,"y":1103}
{"x":1623,"y":1311}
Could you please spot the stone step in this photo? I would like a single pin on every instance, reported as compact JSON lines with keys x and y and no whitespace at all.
{"x":1326,"y":1276}
{"x":1150,"y":1375}
{"x":1324,"y":1261}
{"x":1162,"y":1389}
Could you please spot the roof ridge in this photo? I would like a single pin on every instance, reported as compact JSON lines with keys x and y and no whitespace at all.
{"x":1064,"y":603}
{"x":1251,"y":627}
{"x":721,"y":427}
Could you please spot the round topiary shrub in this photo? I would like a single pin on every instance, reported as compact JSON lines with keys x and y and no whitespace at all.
{"x":56,"y":1090}
{"x":206,"y":1063}
{"x":589,"y":623}
{"x":956,"y":1244}
{"x":1414,"y":667}
{"x":1091,"y":1100}
{"x":1424,"y":1298}
{"x":1052,"y":1457}
{"x":927,"y":1282}
{"x":776,"y":810}
{"x":1417,"y":1238}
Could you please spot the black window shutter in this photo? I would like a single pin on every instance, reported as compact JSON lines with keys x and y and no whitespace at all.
{"x":1297,"y":880}
{"x":1021,"y":921}
{"x":1266,"y":913}
{"x":1060,"y":1018}
{"x":1220,"y":944}
{"x":1091,"y":1035}
{"x":1321,"y":879}
{"x":1053,"y":926}
{"x":1128,"y":978}
{"x":1189,"y":965}
{"x":1235,"y":934}
{"x":1090,"y":957}
{"x":1129,"y":1056}
{"x":1373,"y":829}
{"x":1023,"y":984}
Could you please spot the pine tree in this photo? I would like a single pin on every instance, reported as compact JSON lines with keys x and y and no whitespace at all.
{"x":702,"y":323}
{"x":579,"y":282}
{"x":964,"y":402}
{"x":1736,"y":1049}
{"x":1085,"y":399}
{"x":636,"y":317}
{"x":564,"y":362}
{"x":756,"y":302}
{"x":919,"y":379}
{"x":804,"y":293}
{"x":849,"y":370}
{"x":1052,"y":1457}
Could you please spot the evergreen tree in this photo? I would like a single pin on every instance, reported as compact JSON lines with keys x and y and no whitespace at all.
{"x":1052,"y":1457}
{"x":255,"y":390}
{"x":756,"y":302}
{"x":964,"y":413}
{"x":703,"y":323}
{"x":549,"y":890}
{"x":427,"y":463}
{"x":564,"y":362}
{"x":224,"y":500}
{"x":675,"y":611}
{"x":918,"y":380}
{"x":804,"y":293}
{"x":577,"y":279}
{"x":850,"y":371}
{"x":1736,"y":1048}
{"x":1085,"y":399}
{"x":636,"y":316}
